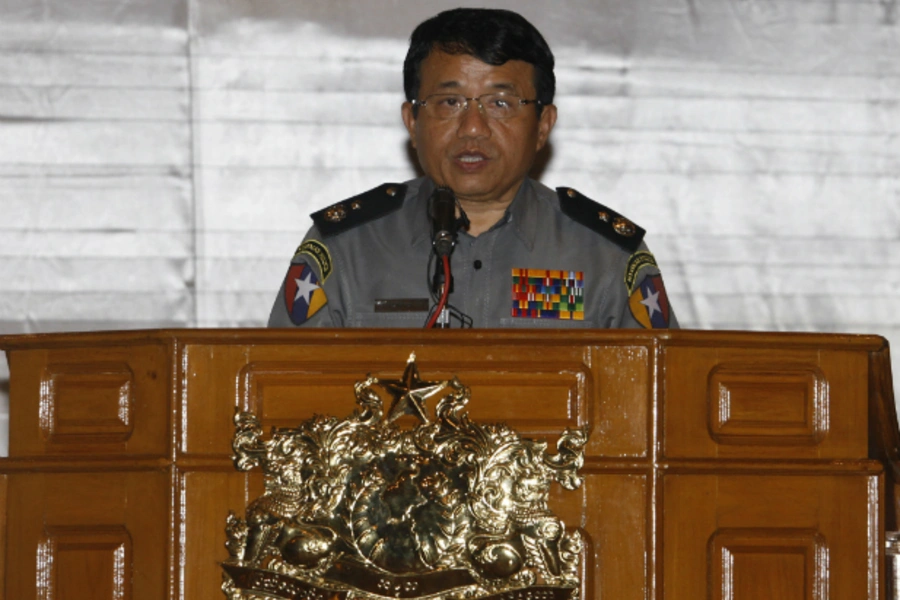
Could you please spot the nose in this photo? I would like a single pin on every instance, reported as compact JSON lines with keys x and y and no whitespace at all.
{"x":473,"y":123}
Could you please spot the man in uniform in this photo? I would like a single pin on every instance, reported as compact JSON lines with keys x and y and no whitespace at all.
{"x":479,"y":85}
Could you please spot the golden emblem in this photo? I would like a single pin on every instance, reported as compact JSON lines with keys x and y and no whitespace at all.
{"x":336,"y":213}
{"x":360,"y":508}
{"x":624,"y":227}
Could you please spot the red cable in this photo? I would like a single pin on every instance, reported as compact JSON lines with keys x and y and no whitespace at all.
{"x":444,"y":293}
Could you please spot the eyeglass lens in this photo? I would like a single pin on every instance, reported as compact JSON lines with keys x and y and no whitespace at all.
{"x":495,"y":106}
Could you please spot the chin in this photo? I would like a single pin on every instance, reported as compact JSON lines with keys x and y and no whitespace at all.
{"x":470,"y":185}
{"x":471,"y":193}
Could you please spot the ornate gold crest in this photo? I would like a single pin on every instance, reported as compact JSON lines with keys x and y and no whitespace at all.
{"x":360,"y":508}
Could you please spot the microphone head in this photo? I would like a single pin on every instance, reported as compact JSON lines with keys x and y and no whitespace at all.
{"x":442,"y":199}
{"x":442,"y":210}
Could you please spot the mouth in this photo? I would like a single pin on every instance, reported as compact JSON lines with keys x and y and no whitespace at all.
{"x":471,"y":159}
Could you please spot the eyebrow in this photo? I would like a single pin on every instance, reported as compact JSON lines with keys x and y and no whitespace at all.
{"x":453,"y":85}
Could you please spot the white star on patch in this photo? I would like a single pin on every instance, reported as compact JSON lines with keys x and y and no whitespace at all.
{"x":305,"y":288}
{"x":652,"y":303}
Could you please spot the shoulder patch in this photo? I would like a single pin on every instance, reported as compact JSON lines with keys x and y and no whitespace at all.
{"x":360,"y":209}
{"x":649,"y":303}
{"x":601,"y":219}
{"x":303,"y":295}
{"x":638,"y":261}
{"x":317,"y":251}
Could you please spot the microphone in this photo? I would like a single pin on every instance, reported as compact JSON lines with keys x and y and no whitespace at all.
{"x":444,"y":225}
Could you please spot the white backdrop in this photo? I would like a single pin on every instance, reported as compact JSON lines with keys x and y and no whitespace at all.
{"x":159,"y":158}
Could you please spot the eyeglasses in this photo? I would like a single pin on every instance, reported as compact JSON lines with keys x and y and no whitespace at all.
{"x":493,"y":106}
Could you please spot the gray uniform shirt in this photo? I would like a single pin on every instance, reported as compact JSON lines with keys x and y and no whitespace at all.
{"x":387,"y":259}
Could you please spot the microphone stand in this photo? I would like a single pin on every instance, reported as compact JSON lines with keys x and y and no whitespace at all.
{"x":442,"y":209}
{"x":440,"y":319}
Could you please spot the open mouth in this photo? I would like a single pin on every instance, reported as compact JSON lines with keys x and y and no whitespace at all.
{"x":471,"y":158}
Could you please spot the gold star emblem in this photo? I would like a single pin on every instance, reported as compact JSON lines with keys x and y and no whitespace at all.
{"x":410,"y":393}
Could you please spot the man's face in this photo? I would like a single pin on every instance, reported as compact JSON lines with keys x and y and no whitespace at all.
{"x":480,"y":159}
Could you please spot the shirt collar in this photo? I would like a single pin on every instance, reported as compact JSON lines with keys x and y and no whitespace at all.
{"x":523,"y":220}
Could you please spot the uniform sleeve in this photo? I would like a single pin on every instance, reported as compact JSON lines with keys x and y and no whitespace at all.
{"x":639,"y":297}
{"x":306,"y":296}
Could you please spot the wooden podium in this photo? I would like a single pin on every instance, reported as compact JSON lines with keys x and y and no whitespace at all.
{"x":719,"y":466}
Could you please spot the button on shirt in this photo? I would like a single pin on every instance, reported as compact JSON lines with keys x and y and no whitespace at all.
{"x":388,"y":259}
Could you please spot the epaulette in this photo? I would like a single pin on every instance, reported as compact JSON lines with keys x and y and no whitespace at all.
{"x":360,"y":209}
{"x":601,"y":219}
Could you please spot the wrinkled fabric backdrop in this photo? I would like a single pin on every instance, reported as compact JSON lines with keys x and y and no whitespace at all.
{"x":159,"y":158}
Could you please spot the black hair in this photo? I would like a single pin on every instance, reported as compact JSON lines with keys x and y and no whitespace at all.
{"x":492,"y":36}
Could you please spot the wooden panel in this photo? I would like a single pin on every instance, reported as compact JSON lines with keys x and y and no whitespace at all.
{"x":731,"y":402}
{"x":88,"y":535}
{"x":90,"y":400}
{"x":616,"y":514}
{"x":610,"y":510}
{"x":68,"y":556}
{"x":4,"y":532}
{"x":622,"y":402}
{"x":87,"y":402}
{"x":767,"y":404}
{"x":208,"y":497}
{"x":284,"y":396}
{"x":795,"y":563}
{"x":286,"y":384}
{"x":779,"y":527}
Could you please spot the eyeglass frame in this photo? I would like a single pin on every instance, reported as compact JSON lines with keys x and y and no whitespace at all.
{"x":416,"y":103}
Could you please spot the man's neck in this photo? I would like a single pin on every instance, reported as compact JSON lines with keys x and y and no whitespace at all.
{"x":482,"y":215}
{"x":485,"y":214}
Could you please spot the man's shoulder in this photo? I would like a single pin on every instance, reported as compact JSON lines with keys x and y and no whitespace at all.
{"x":601,"y":219}
{"x":362,"y":208}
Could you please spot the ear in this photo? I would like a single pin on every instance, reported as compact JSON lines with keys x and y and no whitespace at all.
{"x":545,"y":125}
{"x":409,"y":119}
